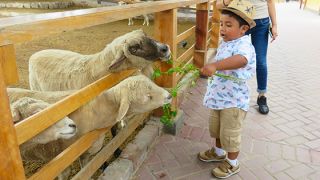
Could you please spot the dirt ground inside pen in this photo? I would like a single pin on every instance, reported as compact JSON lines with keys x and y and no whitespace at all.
{"x":86,"y":41}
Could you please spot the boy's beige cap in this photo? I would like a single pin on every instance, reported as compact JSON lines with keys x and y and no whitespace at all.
{"x":244,"y":9}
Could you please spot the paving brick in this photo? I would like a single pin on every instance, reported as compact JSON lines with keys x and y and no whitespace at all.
{"x":296,"y":140}
{"x":183,"y":171}
{"x":288,"y":152}
{"x":162,"y":175}
{"x":277,"y":136}
{"x":277,"y":166}
{"x":196,"y":133}
{"x":274,"y":150}
{"x":246,"y":174}
{"x":299,"y":171}
{"x":262,"y":174}
{"x":303,"y":155}
{"x":315,"y":176}
{"x":315,"y":157}
{"x":313,"y":144}
{"x":259,"y":147}
{"x":256,"y":161}
{"x":282,"y":176}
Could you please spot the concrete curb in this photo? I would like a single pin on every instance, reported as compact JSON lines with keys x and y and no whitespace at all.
{"x":134,"y":153}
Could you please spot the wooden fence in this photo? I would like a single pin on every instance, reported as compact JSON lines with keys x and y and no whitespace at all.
{"x":15,"y":30}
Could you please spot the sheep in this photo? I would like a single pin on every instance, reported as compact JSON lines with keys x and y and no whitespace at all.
{"x":60,"y":70}
{"x":64,"y":129}
{"x":130,"y":20}
{"x":134,"y":95}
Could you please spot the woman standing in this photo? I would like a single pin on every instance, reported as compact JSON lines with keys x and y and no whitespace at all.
{"x":265,"y":11}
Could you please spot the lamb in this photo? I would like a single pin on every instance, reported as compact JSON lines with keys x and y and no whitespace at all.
{"x":130,"y":23}
{"x":26,"y":107}
{"x":134,"y":95}
{"x":60,"y":70}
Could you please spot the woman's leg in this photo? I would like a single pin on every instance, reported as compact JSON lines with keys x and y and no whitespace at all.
{"x":259,"y":37}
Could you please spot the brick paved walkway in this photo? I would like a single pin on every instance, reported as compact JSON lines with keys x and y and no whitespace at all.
{"x":285,"y":144}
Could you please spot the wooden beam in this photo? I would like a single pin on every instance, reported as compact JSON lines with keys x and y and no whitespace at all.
{"x":8,"y":64}
{"x":110,"y":148}
{"x":60,"y":109}
{"x":202,"y":23}
{"x":21,"y":28}
{"x":189,"y":52}
{"x":186,"y":34}
{"x":68,"y":156}
{"x":10,"y":160}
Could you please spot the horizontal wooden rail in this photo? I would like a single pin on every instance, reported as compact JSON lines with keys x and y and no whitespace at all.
{"x":186,"y":34}
{"x":57,"y":111}
{"x":108,"y":150}
{"x":21,"y":28}
{"x":189,"y":52}
{"x":68,"y":156}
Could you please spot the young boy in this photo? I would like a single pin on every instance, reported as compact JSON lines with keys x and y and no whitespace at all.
{"x":228,"y":98}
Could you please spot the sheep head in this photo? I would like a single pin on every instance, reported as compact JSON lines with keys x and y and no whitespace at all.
{"x":138,"y":94}
{"x":136,"y":49}
{"x":26,"y":107}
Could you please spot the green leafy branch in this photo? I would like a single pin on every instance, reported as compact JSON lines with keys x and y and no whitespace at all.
{"x":168,"y":113}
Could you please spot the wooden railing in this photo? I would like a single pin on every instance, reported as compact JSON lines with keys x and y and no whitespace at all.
{"x":25,"y":28}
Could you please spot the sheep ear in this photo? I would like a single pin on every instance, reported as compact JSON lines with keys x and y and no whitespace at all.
{"x":117,"y":62}
{"x":16,"y":116}
{"x":123,"y":109}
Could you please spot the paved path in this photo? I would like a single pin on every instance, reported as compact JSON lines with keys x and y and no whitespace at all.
{"x":285,"y":144}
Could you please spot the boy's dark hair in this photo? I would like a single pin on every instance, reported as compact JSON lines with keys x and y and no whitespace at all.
{"x":238,"y":18}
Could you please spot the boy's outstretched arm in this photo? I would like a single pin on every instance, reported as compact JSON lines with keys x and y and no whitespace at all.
{"x":233,"y":62}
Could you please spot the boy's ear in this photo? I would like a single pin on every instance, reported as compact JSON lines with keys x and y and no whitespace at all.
{"x":245,"y":28}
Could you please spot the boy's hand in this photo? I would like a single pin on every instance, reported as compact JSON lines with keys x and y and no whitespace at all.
{"x":208,"y":70}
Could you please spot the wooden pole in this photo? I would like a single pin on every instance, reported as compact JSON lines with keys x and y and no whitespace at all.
{"x":202,"y":23}
{"x":10,"y":160}
{"x":214,"y":42}
{"x":165,"y":31}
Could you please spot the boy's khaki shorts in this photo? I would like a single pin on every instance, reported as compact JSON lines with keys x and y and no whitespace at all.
{"x":226,"y":125}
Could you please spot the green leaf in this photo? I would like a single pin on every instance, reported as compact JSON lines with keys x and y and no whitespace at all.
{"x":171,"y":71}
{"x":157,"y":73}
{"x":173,"y":113}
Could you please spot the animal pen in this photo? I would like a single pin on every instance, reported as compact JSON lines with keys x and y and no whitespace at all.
{"x":16,"y":30}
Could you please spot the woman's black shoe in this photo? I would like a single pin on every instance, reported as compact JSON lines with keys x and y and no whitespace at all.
{"x":262,"y":103}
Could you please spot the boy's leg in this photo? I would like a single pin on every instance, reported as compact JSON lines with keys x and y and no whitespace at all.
{"x":230,"y":138}
{"x":215,"y":153}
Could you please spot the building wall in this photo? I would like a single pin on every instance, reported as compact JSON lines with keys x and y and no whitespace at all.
{"x":313,"y":5}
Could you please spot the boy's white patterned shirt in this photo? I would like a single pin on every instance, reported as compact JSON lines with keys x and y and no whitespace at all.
{"x":222,"y":93}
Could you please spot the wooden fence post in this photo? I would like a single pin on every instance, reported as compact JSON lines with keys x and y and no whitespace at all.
{"x":165,"y":23}
{"x":10,"y":160}
{"x":202,"y":23}
{"x":214,"y":42}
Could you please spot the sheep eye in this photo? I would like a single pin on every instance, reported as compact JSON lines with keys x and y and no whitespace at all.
{"x":149,"y":96}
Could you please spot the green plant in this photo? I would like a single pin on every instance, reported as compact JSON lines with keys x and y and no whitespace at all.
{"x":168,"y":112}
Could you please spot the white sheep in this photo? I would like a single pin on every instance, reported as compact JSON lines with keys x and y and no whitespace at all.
{"x":60,"y":70}
{"x":134,"y":95}
{"x":130,"y":20}
{"x":25,"y":107}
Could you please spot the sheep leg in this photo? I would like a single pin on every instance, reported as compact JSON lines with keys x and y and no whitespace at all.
{"x":65,"y":174}
{"x":130,"y":22}
{"x":146,"y":20}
